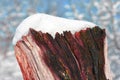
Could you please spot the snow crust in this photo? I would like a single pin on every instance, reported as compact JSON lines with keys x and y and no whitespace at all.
{"x":50,"y":24}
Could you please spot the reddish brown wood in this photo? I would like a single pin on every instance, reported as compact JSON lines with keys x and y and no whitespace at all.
{"x":68,"y":56}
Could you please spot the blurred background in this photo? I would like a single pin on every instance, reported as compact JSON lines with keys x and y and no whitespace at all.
{"x":105,"y":13}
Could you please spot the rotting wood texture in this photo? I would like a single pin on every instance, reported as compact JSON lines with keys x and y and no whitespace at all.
{"x":68,"y":56}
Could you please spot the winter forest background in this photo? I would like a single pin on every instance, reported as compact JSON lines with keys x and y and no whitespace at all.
{"x":105,"y":13}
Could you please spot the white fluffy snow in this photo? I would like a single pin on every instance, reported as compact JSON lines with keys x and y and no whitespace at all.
{"x":48,"y":23}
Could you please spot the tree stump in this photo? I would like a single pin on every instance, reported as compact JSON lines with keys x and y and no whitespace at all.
{"x":67,"y":56}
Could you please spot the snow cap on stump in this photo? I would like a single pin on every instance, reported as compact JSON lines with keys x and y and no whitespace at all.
{"x":52,"y":24}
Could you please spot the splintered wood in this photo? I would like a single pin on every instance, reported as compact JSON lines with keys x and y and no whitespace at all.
{"x":68,"y":56}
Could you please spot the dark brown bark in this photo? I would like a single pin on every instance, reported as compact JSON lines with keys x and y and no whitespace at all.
{"x":68,"y":56}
